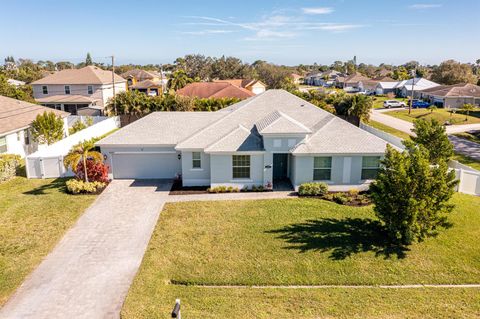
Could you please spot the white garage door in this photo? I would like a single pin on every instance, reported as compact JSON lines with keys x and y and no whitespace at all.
{"x":146,"y":166}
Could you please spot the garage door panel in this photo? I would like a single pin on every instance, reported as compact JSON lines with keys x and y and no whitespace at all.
{"x":145,"y":166}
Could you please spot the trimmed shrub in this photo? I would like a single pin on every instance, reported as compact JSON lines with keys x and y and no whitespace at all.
{"x":96,"y":172}
{"x":8,"y":166}
{"x":313,"y":189}
{"x":76,"y":186}
{"x":223,"y":189}
{"x":340,"y":198}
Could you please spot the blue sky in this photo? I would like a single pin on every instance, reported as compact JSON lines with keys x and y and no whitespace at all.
{"x":285,"y":32}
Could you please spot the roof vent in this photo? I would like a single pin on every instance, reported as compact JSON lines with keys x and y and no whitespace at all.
{"x":302,"y":105}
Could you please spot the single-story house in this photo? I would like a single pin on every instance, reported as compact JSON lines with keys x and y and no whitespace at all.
{"x":452,"y":96}
{"x":355,"y":83}
{"x":84,"y":91}
{"x":152,"y":83}
{"x":296,"y":78}
{"x":16,"y":83}
{"x":326,"y":78}
{"x":386,"y":87}
{"x":267,"y":139}
{"x":15,"y":121}
{"x":254,"y":86}
{"x":206,"y":90}
{"x":404,"y":88}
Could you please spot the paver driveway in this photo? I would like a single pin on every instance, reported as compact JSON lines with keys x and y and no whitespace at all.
{"x":89,"y":272}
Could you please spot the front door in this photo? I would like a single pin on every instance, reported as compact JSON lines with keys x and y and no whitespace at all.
{"x":280,"y":166}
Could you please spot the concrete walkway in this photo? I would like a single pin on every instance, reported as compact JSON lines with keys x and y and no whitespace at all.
{"x":89,"y":272}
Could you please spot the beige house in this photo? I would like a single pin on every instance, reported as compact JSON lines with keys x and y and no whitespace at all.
{"x":152,"y":83}
{"x":84,"y":91}
{"x":254,"y":86}
{"x":453,"y":96}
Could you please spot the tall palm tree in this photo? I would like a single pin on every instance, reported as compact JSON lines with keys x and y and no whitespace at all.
{"x":467,"y":108}
{"x":80,"y":153}
{"x":178,"y":80}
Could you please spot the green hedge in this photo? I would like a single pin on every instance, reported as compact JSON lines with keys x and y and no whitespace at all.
{"x":313,"y":189}
{"x":8,"y":166}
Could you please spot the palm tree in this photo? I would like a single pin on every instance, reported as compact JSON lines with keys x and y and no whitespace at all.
{"x":467,"y":108}
{"x":81,"y":153}
{"x":178,"y":80}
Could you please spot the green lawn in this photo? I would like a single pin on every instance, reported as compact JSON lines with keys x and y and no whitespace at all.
{"x":301,"y":242}
{"x":441,"y":115}
{"x":34,"y":215}
{"x":378,"y":101}
{"x":388,"y":129}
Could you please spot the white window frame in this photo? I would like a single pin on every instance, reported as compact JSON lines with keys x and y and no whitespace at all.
{"x":242,"y":166}
{"x":322,"y":168}
{"x":89,"y":89}
{"x":196,"y":160}
{"x":67,"y":88}
{"x":44,"y":89}
{"x":370,"y":167}
{"x":3,"y":143}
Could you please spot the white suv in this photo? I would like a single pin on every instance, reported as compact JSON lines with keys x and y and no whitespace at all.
{"x":393,"y":103}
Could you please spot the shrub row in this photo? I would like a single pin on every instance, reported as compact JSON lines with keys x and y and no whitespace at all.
{"x":313,"y":189}
{"x":76,"y":186}
{"x":223,"y":189}
{"x":8,"y":166}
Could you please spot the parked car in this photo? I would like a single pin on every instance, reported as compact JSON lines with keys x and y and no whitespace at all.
{"x":393,"y":103}
{"x":419,"y":104}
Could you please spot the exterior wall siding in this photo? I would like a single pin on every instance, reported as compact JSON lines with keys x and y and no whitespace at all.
{"x":195,"y":176}
{"x":221,"y":171}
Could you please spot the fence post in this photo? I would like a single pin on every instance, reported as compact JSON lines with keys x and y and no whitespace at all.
{"x":460,"y":179}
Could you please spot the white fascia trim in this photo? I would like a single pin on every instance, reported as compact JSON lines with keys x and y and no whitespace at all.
{"x":339,"y":154}
{"x":134,"y":145}
{"x":237,"y":153}
{"x":14,"y":131}
{"x":189,"y":149}
{"x":147,"y":152}
{"x":284,"y":134}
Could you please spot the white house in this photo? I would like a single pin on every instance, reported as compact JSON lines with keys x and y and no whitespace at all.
{"x":15,"y":120}
{"x":82,"y":91}
{"x":404,"y":88}
{"x":272,"y":138}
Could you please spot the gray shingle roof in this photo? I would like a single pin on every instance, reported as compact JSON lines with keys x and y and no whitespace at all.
{"x":237,"y":128}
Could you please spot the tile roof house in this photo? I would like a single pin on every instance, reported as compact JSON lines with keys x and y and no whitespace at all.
{"x":268,"y":138}
{"x":150,"y":82}
{"x":326,"y":78}
{"x":254,"y":86}
{"x":205,"y":90}
{"x":15,"y":119}
{"x":82,"y":91}
{"x":452,"y":96}
{"x":356,"y":82}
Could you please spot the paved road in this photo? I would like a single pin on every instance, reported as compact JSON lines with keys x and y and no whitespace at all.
{"x":404,"y":126}
{"x":89,"y":272}
{"x":465,"y":147}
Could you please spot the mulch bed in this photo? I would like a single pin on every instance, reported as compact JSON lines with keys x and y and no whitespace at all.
{"x":354,"y":201}
{"x":178,"y":189}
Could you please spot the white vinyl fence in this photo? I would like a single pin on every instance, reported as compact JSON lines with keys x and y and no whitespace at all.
{"x":71,"y":119}
{"x":469,"y":178}
{"x":48,"y":161}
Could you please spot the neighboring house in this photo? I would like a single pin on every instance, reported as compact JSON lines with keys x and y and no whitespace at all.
{"x":296,"y":78}
{"x":452,"y":96}
{"x":254,"y":86}
{"x":356,"y":83}
{"x":15,"y":120}
{"x":404,"y":88}
{"x":152,"y":83}
{"x":386,"y":87}
{"x":82,"y":91}
{"x":206,"y":90}
{"x":327,"y":78}
{"x":269,"y":138}
{"x":16,"y":83}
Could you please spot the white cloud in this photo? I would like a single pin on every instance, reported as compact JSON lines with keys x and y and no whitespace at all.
{"x":317,"y":10}
{"x":421,"y":6}
{"x":206,"y":32}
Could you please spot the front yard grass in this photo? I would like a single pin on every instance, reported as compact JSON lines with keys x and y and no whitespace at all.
{"x":34,"y":215}
{"x":388,"y":129}
{"x":301,"y":242}
{"x":441,"y":115}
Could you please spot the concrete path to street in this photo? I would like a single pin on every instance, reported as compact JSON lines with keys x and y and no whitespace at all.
{"x":89,"y":272}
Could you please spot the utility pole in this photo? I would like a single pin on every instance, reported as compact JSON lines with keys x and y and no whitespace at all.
{"x":113,"y":84}
{"x":410,"y":105}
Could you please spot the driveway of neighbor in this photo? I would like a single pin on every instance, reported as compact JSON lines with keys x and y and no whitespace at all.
{"x":401,"y":125}
{"x":89,"y":272}
{"x":465,"y":147}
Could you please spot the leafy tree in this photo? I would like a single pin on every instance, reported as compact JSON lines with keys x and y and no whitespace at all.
{"x":23,"y":93}
{"x":453,"y":72}
{"x":63,"y":65}
{"x":467,"y":108}
{"x":178,"y":80}
{"x":80,"y":153}
{"x":432,"y":135}
{"x":273,"y":76}
{"x":88,"y":59}
{"x":47,"y":128}
{"x":411,"y":196}
{"x":400,"y":74}
{"x":355,"y":107}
